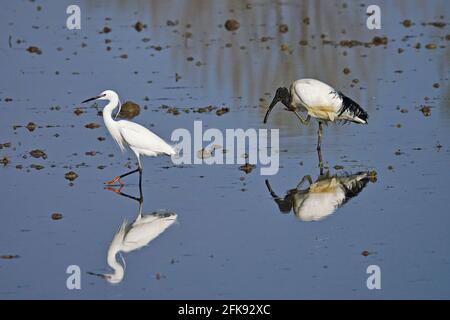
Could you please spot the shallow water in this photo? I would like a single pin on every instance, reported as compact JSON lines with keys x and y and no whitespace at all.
{"x":230,"y":239}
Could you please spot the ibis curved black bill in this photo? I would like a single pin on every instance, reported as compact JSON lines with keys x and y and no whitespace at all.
{"x":275,"y":100}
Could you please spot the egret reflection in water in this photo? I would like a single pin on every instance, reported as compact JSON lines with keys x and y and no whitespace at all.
{"x":133,"y":236}
{"x":322,"y":197}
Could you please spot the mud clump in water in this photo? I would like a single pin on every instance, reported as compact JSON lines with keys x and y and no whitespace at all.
{"x":92,"y":125}
{"x":247,"y":168}
{"x":338,"y":167}
{"x":71,"y":176}
{"x":350,"y":43}
{"x":106,"y":30}
{"x":204,"y":109}
{"x":407,"y":23}
{"x":9,"y":256}
{"x":436,"y":85}
{"x":283,"y":28}
{"x":284,"y":47}
{"x":91,"y":153}
{"x":346,"y":71}
{"x":435,"y":24}
{"x":171,"y":23}
{"x":5,"y":161}
{"x":232,"y":25}
{"x":365,"y":253}
{"x":34,"y":49}
{"x":57,"y":216}
{"x":36,"y":167}
{"x":129,"y":110}
{"x":222,"y":111}
{"x":139,"y":26}
{"x":377,"y":41}
{"x":38,"y":154}
{"x":31,"y":126}
{"x":5,"y":145}
{"x":431,"y":46}
{"x":372,"y":176}
{"x":78,"y":111}
{"x":426,"y":111}
{"x":174,"y":111}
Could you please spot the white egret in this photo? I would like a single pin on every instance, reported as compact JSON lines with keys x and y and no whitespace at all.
{"x":322,"y":197}
{"x":140,"y":140}
{"x":133,"y":236}
{"x":320,"y":101}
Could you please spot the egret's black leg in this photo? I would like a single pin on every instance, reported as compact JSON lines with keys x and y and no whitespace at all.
{"x":117,"y":179}
{"x":128,"y":173}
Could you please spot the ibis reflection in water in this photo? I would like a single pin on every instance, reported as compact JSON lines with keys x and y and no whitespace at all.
{"x":322,"y":197}
{"x":133,"y":236}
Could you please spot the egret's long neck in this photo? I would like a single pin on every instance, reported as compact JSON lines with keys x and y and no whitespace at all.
{"x":110,"y":123}
{"x":119,"y":270}
{"x":108,"y":109}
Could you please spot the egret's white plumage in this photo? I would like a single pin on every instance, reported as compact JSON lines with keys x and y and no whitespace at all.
{"x":126,"y":133}
{"x":131,"y":237}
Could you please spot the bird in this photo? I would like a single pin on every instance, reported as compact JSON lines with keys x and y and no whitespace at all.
{"x":322,"y":197}
{"x":133,"y":236}
{"x":127,"y":133}
{"x":320,"y":101}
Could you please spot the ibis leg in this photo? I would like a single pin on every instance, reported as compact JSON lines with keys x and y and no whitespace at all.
{"x":305,"y":178}
{"x":319,"y":136}
{"x":303,"y":121}
{"x":319,"y":147}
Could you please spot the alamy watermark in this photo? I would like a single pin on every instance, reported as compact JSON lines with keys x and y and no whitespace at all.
{"x":374,"y":19}
{"x":234,"y":146}
{"x":74,"y":279}
{"x":74,"y":19}
{"x":374,"y":280}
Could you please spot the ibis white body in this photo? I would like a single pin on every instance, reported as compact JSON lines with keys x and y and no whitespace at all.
{"x":323,"y":102}
{"x":323,"y":197}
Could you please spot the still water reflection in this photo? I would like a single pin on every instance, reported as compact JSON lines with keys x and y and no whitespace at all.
{"x":134,"y":236}
{"x":322,"y":197}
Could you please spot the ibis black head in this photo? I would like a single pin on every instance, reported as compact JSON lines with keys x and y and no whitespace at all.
{"x":282,"y":95}
{"x":284,"y":204}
